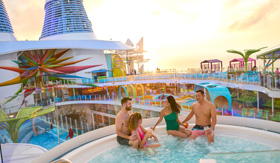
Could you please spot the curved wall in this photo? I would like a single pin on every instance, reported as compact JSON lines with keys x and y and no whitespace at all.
{"x":5,"y":25}
{"x":7,"y":37}
{"x":65,"y":17}
{"x":6,"y":29}
{"x":106,"y":131}
{"x":7,"y":91}
{"x":96,"y":57}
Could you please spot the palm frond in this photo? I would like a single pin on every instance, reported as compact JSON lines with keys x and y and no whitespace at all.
{"x":236,"y":52}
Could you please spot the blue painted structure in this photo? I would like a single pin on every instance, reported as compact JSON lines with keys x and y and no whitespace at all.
{"x":65,"y":16}
{"x":189,"y":102}
{"x":109,"y":64}
{"x":5,"y":24}
{"x":120,"y":91}
{"x":215,"y":90}
{"x":158,"y":97}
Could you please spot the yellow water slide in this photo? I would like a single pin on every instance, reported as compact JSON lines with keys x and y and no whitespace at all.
{"x":119,"y":68}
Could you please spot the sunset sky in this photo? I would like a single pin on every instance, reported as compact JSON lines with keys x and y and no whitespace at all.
{"x":177,"y":33}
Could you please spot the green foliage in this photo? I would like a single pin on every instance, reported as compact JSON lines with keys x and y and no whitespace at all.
{"x":54,"y":79}
{"x":13,"y":124}
{"x":15,"y":95}
{"x":247,"y":53}
{"x":236,"y":72}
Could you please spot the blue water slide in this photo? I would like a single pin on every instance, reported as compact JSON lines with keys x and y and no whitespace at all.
{"x":215,"y":90}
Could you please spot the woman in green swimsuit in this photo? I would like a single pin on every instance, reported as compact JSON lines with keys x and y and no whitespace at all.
{"x":170,"y":114}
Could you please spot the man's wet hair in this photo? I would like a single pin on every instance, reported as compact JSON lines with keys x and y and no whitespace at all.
{"x":125,"y":99}
{"x":201,"y":91}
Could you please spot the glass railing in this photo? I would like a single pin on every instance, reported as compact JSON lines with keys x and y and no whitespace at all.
{"x":265,"y":112}
{"x":268,"y":81}
{"x":260,"y":113}
{"x":81,"y":120}
{"x":89,"y":112}
{"x":254,"y":156}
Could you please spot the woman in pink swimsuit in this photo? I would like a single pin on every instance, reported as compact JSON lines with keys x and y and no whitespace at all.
{"x":136,"y":128}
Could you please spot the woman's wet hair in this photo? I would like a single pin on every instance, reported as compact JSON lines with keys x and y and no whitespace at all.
{"x":133,"y":121}
{"x":175,"y":107}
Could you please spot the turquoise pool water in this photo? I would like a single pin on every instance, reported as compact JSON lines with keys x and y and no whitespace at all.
{"x":182,"y":150}
{"x":49,"y":139}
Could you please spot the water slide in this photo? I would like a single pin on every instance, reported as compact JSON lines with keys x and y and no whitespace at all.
{"x":118,"y":66}
{"x":219,"y":95}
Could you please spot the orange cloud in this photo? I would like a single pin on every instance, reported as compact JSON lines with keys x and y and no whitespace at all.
{"x":260,"y":14}
{"x":26,"y":17}
{"x":231,"y":4}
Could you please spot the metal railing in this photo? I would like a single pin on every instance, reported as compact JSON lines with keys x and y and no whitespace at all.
{"x":266,"y":80}
{"x":240,"y":112}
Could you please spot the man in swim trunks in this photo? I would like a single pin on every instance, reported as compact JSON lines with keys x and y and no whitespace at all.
{"x":204,"y":112}
{"x":123,"y":135}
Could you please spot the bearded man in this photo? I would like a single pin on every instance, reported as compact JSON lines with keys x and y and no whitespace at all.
{"x":123,"y":135}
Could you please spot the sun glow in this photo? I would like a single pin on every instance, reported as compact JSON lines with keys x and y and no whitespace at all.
{"x":182,"y":28}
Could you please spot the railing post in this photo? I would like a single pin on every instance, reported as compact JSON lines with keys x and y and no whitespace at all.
{"x":70,"y":122}
{"x":275,"y":82}
{"x":264,"y":84}
{"x":76,"y":127}
{"x":268,"y":83}
{"x":93,"y":124}
{"x":82,"y":127}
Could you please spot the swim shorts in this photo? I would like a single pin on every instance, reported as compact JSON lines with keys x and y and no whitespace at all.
{"x":198,"y":130}
{"x":122,"y":141}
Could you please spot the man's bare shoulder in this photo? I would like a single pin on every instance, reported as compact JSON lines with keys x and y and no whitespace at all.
{"x":123,"y":115}
{"x":120,"y":114}
{"x":194,"y":104}
{"x":210,"y":104}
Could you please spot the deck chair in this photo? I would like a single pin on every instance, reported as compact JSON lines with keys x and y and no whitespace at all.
{"x":266,"y":114}
{"x":276,"y":117}
{"x":244,"y":112}
{"x":260,"y":113}
{"x":251,"y":113}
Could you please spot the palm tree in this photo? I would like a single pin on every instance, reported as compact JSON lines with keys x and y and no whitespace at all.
{"x":12,"y":125}
{"x":246,"y":54}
